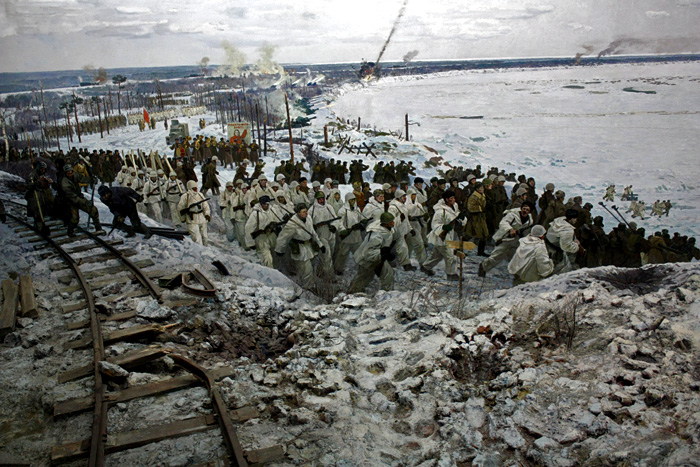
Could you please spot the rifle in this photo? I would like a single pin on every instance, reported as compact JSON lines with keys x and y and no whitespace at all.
{"x":186,"y":211}
{"x":326,"y":222}
{"x":609,"y":211}
{"x":452,"y":223}
{"x":623,"y":217}
{"x":172,"y":171}
{"x":92,"y":183}
{"x":387,"y":255}
{"x":133,"y":161}
{"x":518,"y":233}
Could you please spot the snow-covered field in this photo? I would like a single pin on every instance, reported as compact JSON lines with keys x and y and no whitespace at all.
{"x":575,"y":127}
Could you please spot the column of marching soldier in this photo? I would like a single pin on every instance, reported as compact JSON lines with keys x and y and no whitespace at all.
{"x":310,"y":230}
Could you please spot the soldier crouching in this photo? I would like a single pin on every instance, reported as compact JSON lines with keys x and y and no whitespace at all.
{"x":121,"y":202}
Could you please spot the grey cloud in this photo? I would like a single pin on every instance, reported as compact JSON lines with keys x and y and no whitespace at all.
{"x":236,"y":12}
{"x":308,"y":15}
{"x":526,"y":13}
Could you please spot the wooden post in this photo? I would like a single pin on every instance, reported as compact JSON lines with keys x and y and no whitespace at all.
{"x":265,"y":136}
{"x":407,"y":138}
{"x":359,"y":123}
{"x":461,"y":273}
{"x":27,"y":297}
{"x":325,"y":135}
{"x":8,"y":314}
{"x":289,"y":124}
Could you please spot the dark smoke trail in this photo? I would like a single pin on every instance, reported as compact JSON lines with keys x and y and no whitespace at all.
{"x":393,"y":28}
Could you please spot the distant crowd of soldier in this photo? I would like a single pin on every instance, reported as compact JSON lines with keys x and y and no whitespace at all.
{"x":307,"y":228}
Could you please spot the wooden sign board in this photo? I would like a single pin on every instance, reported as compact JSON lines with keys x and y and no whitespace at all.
{"x":457,"y":245}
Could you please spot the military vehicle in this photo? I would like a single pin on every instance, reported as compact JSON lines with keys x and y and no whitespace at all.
{"x":178,"y":132}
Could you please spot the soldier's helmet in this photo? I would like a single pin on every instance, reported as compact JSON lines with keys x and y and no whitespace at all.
{"x":41,"y":165}
{"x":386,"y":218}
{"x":319,"y":195}
{"x":300,"y":207}
{"x":68,"y":168}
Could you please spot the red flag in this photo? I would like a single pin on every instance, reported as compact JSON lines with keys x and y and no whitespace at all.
{"x":146,"y":118}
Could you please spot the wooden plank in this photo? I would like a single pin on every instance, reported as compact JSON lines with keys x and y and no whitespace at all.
{"x":126,"y":360}
{"x":108,"y":299}
{"x":81,"y":248}
{"x":181,"y":302}
{"x":45,"y":250}
{"x":8,"y":315}
{"x":70,"y":451}
{"x":134,"y":332}
{"x":118,"y":317}
{"x":121,"y":279}
{"x":133,"y":439}
{"x":145,"y":390}
{"x":127,"y":252}
{"x":28,"y":297}
{"x":243,"y":414}
{"x":95,"y":273}
{"x":261,"y":456}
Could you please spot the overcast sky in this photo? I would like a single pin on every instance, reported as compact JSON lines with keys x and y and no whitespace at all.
{"x":70,"y":34}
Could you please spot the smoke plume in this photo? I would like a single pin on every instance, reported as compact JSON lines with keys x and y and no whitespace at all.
{"x":203,"y":64}
{"x":265,"y":64}
{"x":588,"y":49}
{"x":393,"y":29}
{"x":620,"y":46}
{"x":99,"y":75}
{"x":409,"y":56}
{"x":234,"y":59}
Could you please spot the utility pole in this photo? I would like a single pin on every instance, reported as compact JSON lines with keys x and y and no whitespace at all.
{"x":289,"y":124}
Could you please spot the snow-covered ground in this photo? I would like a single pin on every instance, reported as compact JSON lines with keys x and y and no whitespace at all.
{"x":576,"y":127}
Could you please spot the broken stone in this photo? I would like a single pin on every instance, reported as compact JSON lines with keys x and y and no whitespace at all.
{"x":623,"y":398}
{"x":545,"y":443}
{"x":653,"y":397}
{"x":112,"y":370}
{"x":42,"y":351}
{"x":511,"y":436}
{"x":425,"y":428}
{"x":527,"y":376}
{"x":136,"y":379}
{"x":24,"y":322}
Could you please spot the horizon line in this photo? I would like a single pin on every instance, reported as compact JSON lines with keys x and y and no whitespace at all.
{"x":293,"y":64}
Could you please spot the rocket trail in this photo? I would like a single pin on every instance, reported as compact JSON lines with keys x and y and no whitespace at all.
{"x":393,"y":28}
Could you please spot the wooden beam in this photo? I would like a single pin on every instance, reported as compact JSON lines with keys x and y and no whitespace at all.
{"x":134,"y":332}
{"x":95,"y":273}
{"x":8,"y":315}
{"x":133,"y":439}
{"x":46,"y":251}
{"x":82,"y":404}
{"x":28,"y":297}
{"x":122,"y":279}
{"x":264,"y":455}
{"x":127,"y":360}
{"x":92,"y":259}
{"x":108,"y":299}
{"x":118,"y":317}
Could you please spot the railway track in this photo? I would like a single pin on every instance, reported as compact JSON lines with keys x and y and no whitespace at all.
{"x":106,"y":369}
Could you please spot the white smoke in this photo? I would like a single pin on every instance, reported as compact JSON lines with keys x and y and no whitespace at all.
{"x":265,"y":64}
{"x":234,"y":60}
